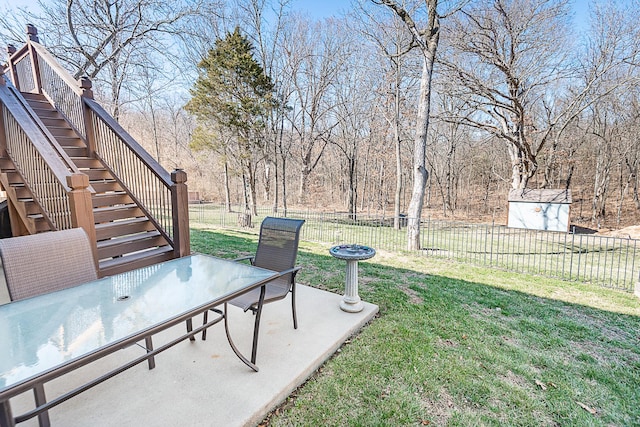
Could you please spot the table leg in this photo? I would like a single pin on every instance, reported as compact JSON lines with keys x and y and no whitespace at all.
{"x":41,"y":399}
{"x":351,"y":301}
{"x":6,"y":417}
{"x":149,"y":346}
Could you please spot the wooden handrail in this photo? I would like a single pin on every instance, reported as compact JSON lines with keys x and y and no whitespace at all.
{"x":127,"y":139}
{"x":39,"y":140}
{"x":51,"y":140}
{"x":38,"y":163}
{"x":44,"y":54}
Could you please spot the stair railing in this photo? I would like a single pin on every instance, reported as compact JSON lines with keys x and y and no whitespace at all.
{"x":163,"y":197}
{"x":49,"y":178}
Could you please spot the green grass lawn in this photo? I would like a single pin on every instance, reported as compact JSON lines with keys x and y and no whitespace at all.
{"x":461,"y":345}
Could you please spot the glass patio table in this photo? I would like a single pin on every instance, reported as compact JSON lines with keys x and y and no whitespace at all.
{"x":45,"y":337}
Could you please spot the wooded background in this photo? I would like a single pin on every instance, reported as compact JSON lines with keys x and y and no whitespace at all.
{"x":523,"y":95}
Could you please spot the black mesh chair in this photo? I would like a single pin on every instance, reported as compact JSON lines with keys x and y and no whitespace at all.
{"x":277,"y":250}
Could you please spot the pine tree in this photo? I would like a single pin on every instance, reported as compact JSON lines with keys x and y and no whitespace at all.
{"x":231,"y":100}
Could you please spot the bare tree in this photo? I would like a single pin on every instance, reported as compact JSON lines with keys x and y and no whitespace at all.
{"x":426,"y":40}
{"x":394,"y":43}
{"x":110,"y":41}
{"x":264,"y":21}
{"x":312,"y":57}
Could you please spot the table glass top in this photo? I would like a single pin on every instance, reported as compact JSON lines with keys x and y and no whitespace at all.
{"x":40,"y":333}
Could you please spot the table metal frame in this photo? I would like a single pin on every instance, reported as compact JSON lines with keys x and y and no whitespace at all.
{"x":36,"y":382}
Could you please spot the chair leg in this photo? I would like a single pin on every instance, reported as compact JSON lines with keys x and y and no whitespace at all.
{"x":244,"y":360}
{"x":256,"y":326}
{"x":293,"y":306}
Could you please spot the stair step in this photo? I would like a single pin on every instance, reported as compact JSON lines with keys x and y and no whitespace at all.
{"x":43,"y":108}
{"x":40,"y":223}
{"x":98,"y":174}
{"x":31,"y":207}
{"x":29,"y":96}
{"x":61,"y":131}
{"x":22,"y":192}
{"x":14,"y":177}
{"x":46,"y":113}
{"x":53,"y":122}
{"x":110,"y":199}
{"x":87,"y":163}
{"x":129,"y":244}
{"x":115,"y":213}
{"x":137,"y":260}
{"x":76,"y":151}
{"x":70,"y":141}
{"x":106,"y":186}
{"x":108,"y":230}
{"x":6,"y":164}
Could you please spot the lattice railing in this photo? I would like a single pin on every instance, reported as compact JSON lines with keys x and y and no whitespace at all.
{"x":24,"y":73}
{"x":61,"y":89}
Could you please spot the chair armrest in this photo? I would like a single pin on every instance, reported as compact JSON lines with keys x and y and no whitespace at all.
{"x":244,"y":258}
{"x":293,"y":270}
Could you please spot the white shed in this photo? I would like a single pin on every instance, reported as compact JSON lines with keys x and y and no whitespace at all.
{"x":539,"y":209}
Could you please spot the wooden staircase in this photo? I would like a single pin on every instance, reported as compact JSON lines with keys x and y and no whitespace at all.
{"x":66,"y":163}
{"x":124,"y":234}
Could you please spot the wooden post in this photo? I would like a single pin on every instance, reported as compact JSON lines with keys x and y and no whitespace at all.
{"x":11,"y":49}
{"x":87,"y":92}
{"x":3,"y":134}
{"x":180,"y":207}
{"x":81,"y":207}
{"x":32,"y":34}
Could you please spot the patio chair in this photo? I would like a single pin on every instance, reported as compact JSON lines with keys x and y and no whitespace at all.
{"x":277,"y":250}
{"x":45,"y":262}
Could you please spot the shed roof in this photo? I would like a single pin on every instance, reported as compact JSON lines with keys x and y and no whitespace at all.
{"x":540,"y":196}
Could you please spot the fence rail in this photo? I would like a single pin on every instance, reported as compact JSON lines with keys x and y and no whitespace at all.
{"x":606,"y":261}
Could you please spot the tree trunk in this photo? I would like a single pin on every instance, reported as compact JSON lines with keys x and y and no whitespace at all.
{"x":352,"y":187}
{"x":227,"y":189}
{"x":398,"y":149}
{"x":420,"y":174}
{"x":427,"y":40}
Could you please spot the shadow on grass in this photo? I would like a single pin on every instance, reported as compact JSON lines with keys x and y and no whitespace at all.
{"x":454,"y":352}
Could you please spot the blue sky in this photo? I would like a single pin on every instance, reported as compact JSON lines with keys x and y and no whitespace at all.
{"x":321,"y":8}
{"x":325,"y":8}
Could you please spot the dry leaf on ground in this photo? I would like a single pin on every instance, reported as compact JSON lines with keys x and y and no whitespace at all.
{"x":587,"y":408}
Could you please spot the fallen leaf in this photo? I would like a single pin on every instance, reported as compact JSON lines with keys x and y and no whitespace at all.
{"x":586,"y":408}
{"x":550,"y":384}
{"x":425,"y":422}
{"x":541,"y":385}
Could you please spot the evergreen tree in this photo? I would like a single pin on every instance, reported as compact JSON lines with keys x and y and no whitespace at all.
{"x":231,"y":100}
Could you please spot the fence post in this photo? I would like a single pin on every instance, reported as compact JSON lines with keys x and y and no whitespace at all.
{"x":180,"y":209}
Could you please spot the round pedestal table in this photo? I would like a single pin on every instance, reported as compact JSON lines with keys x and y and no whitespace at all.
{"x":352,"y":254}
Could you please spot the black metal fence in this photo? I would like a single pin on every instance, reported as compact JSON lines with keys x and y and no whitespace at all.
{"x":605,"y":261}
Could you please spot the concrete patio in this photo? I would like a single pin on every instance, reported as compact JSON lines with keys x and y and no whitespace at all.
{"x":203,"y":383}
